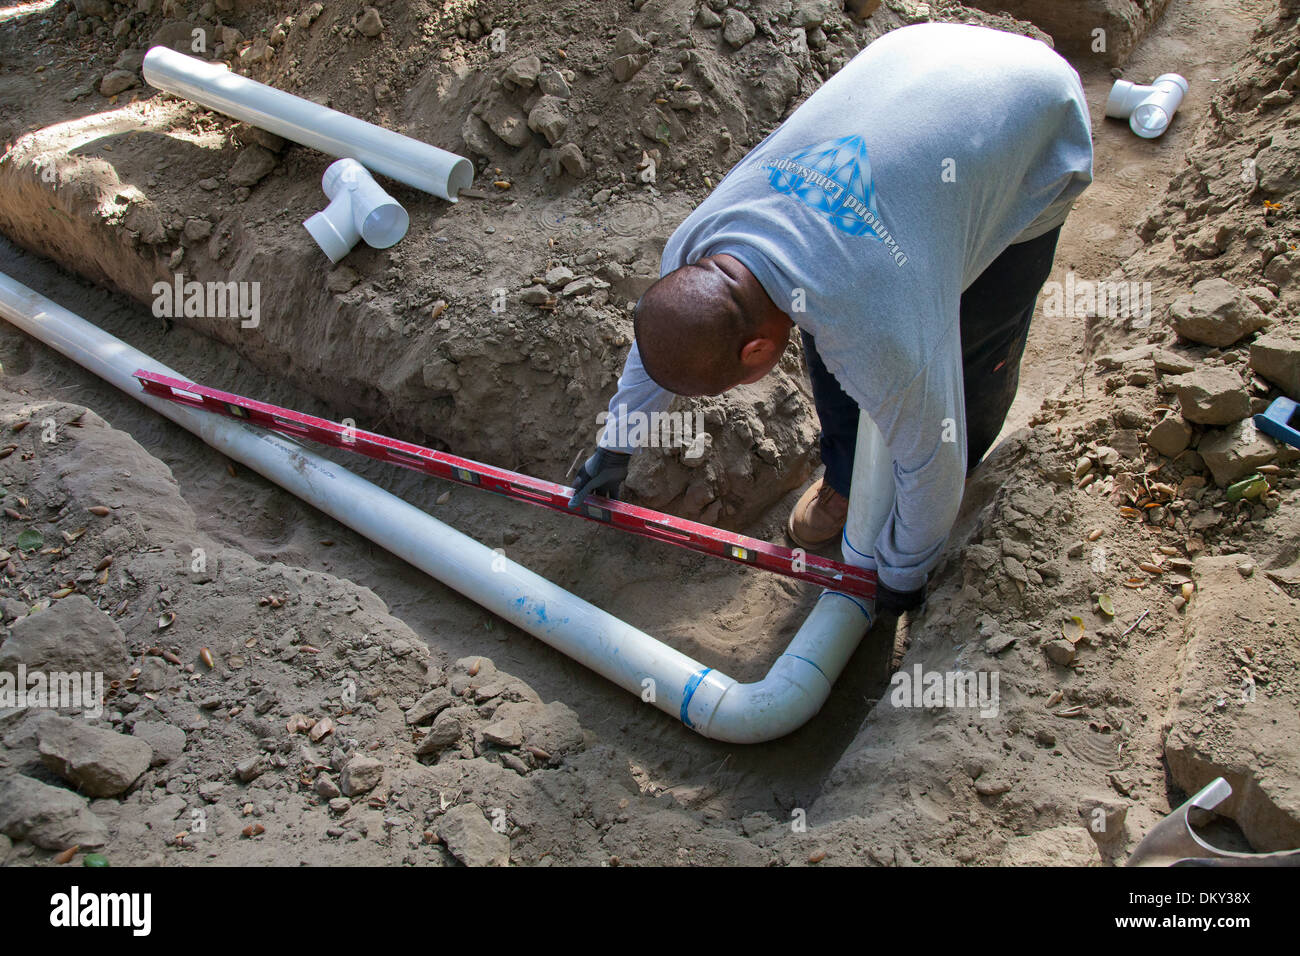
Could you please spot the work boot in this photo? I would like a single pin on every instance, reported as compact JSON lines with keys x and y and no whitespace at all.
{"x":818,"y":517}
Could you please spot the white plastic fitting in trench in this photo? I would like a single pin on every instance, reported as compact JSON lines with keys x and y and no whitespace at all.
{"x":1148,"y":109}
{"x":359,"y":209}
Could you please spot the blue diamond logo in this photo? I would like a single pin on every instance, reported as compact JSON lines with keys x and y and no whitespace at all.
{"x":833,"y":178}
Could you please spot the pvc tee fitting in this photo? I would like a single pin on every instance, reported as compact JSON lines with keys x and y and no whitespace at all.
{"x":359,"y":209}
{"x":1148,"y":109}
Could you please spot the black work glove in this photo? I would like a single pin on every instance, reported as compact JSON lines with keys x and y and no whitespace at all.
{"x":896,"y":602}
{"x":603,"y":472}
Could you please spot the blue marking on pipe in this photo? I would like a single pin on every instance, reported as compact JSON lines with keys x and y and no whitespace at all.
{"x":813,"y":663}
{"x":689,"y":691}
{"x":848,"y":597}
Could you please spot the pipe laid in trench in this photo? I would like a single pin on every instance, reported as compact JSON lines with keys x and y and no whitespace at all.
{"x":399,"y":157}
{"x":708,"y":702}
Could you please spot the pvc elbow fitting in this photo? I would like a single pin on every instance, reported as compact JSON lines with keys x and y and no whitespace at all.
{"x":359,"y":209}
{"x":1148,"y":109}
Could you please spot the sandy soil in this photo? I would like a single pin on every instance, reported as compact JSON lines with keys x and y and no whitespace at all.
{"x":880,"y":784}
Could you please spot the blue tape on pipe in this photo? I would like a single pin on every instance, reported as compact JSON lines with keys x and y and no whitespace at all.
{"x":689,"y":691}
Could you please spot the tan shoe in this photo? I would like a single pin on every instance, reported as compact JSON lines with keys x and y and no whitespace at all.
{"x":818,"y":517}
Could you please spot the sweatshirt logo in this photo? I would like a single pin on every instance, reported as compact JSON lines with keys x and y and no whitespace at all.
{"x":834,"y":178}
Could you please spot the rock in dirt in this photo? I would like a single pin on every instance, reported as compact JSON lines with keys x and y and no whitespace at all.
{"x":1060,"y":651}
{"x":252,"y":166}
{"x":471,"y":838}
{"x":1170,"y":437}
{"x":737,"y":29}
{"x":69,"y":635}
{"x":523,"y":72}
{"x":571,"y":158}
{"x":117,"y":81}
{"x":1276,"y":356}
{"x":50,"y":817}
{"x":360,"y":775}
{"x":627,"y":66}
{"x":168,"y":742}
{"x":370,"y":24}
{"x":549,"y":118}
{"x":430,"y":705}
{"x":1211,"y":396}
{"x":1216,"y":313}
{"x":508,"y":123}
{"x":446,"y":731}
{"x":1235,"y":452}
{"x":100,"y":763}
{"x":504,"y":733}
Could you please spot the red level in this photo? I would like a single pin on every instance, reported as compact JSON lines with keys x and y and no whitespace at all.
{"x":619,"y":514}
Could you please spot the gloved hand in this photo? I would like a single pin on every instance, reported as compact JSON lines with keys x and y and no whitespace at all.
{"x":603,"y":472}
{"x":890,"y":601}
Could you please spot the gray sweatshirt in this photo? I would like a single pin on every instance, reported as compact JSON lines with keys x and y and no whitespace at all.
{"x":867,"y":213}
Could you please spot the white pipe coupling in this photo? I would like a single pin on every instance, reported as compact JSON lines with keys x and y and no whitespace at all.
{"x":1148,"y":109}
{"x":359,"y":209}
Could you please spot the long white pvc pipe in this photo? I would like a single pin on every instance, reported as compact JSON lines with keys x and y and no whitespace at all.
{"x":212,"y":85}
{"x":711,"y":703}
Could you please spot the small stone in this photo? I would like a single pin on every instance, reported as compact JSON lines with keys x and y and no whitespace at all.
{"x":1276,"y":356}
{"x":360,"y":775}
{"x":1236,"y":451}
{"x":553,"y":83}
{"x":627,"y":66}
{"x":1060,"y":651}
{"x":470,"y":838}
{"x":253,"y":164}
{"x":571,"y":158}
{"x":523,"y":72}
{"x":370,"y":24}
{"x":118,"y":81}
{"x":1171,"y":363}
{"x":48,"y":817}
{"x":340,"y":805}
{"x":431,"y":704}
{"x":99,"y":762}
{"x":250,"y":768}
{"x":197,"y":230}
{"x":536,"y":295}
{"x":549,"y":118}
{"x":1170,"y":437}
{"x":325,"y":787}
{"x":1216,"y":313}
{"x":559,"y":276}
{"x":708,"y":19}
{"x":168,"y":742}
{"x":508,"y":123}
{"x":504,"y":733}
{"x":998,"y":643}
{"x":737,"y":29}
{"x":1212,"y":396}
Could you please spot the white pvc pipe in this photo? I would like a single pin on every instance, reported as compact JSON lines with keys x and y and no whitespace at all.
{"x":711,"y":703}
{"x":359,"y":209}
{"x":399,"y":157}
{"x":1148,"y":109}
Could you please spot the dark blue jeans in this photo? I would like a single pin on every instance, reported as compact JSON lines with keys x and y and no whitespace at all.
{"x":995,"y":315}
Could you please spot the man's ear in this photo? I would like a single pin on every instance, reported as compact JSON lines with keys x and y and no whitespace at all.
{"x":757,"y":353}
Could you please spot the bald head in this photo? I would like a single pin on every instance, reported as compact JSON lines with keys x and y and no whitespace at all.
{"x":709,"y":326}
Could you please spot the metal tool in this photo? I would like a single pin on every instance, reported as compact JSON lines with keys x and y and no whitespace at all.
{"x":644,"y":522}
{"x":1173,"y":841}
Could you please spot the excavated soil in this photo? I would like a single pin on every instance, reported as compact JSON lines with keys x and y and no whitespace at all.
{"x":496,"y":329}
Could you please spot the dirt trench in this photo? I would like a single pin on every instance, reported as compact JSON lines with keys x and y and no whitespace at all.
{"x":879,"y":784}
